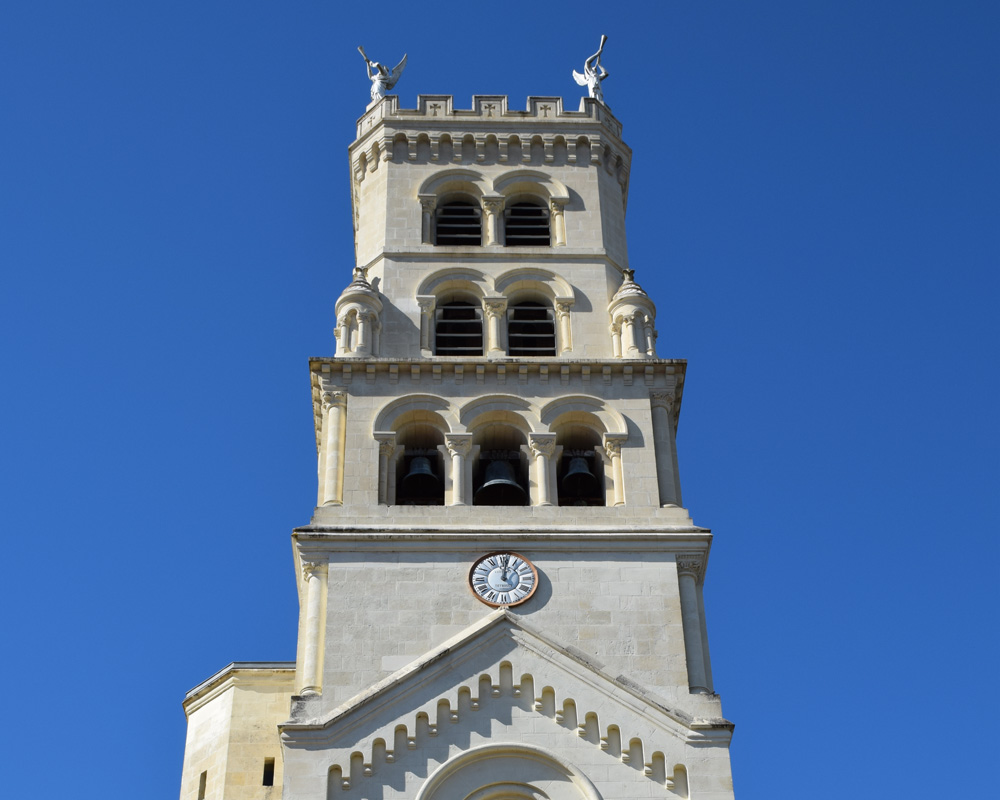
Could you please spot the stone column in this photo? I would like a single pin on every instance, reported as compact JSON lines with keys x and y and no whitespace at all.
{"x":616,"y":339}
{"x":386,"y":447}
{"x":628,"y":337}
{"x":428,"y":202}
{"x":364,"y":332}
{"x":542,"y":446}
{"x":650,"y":338}
{"x":492,"y":208}
{"x":494,"y":310}
{"x":314,"y":575}
{"x":459,"y":445}
{"x":557,"y":222}
{"x":426,"y":303}
{"x":662,"y":404}
{"x":688,"y":571}
{"x":335,"y":405}
{"x":613,"y":447}
{"x":562,"y":309}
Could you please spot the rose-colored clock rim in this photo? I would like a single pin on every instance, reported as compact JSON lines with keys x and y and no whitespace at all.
{"x":483,"y":600}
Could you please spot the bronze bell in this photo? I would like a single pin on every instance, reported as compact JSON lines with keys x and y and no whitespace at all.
{"x":579,"y":481}
{"x":500,"y":488}
{"x":420,"y":481}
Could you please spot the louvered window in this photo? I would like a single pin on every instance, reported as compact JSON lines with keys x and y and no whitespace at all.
{"x":527,"y":225}
{"x":459,"y":224}
{"x":531,"y":330}
{"x":459,"y":330}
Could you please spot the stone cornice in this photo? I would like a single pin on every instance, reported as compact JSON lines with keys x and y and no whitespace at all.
{"x":235,"y":674}
{"x":329,"y":373}
{"x":438,"y":112}
{"x":318,"y":541}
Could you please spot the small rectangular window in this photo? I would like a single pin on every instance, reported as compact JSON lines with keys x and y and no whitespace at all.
{"x":202,"y":785}
{"x":268,"y":772}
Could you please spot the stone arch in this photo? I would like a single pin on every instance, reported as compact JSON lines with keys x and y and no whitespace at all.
{"x":453,"y":181}
{"x":530,"y":182}
{"x":427,"y":408}
{"x":507,"y":408}
{"x":586,"y":409}
{"x":455,"y":279}
{"x":535,"y":279}
{"x":499,"y":771}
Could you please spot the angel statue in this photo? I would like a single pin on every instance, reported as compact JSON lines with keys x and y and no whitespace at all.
{"x":382,"y":80}
{"x":593,"y":74}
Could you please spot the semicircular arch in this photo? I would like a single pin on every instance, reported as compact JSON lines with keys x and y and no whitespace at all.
{"x":455,"y":279}
{"x":530,"y":181}
{"x":429,"y":408}
{"x":535,"y":767}
{"x":562,"y":410}
{"x":454,"y":181}
{"x":494,"y":407}
{"x":534,"y":279}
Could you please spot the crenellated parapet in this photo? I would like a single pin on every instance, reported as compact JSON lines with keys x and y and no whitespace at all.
{"x":490,"y":132}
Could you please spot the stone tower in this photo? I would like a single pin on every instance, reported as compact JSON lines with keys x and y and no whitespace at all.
{"x":500,"y":588}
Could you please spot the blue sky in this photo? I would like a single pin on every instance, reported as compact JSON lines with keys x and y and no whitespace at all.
{"x":813,"y":206}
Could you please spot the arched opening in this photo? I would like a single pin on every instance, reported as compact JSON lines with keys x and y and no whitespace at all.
{"x":420,"y":467}
{"x":459,"y":222}
{"x":580,"y":472}
{"x":458,"y":329}
{"x":531,"y":329}
{"x":526,"y":224}
{"x":500,"y":473}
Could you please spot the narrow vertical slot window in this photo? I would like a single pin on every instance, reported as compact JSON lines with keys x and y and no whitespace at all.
{"x":268,"y":772}
{"x":202,"y":785}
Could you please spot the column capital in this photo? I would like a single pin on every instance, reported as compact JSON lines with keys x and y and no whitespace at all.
{"x":386,"y":443}
{"x":458,"y":444}
{"x":692,"y":564}
{"x":334,"y":398}
{"x":556,"y":205}
{"x":313,"y":568}
{"x":428,"y":202}
{"x":542,"y":444}
{"x":662,"y":400}
{"x":493,"y":205}
{"x":494,"y":306}
{"x":426,"y":302}
{"x":563,"y":305}
{"x":613,"y":446}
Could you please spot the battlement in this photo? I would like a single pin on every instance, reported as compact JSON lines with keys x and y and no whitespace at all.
{"x":438,"y":110}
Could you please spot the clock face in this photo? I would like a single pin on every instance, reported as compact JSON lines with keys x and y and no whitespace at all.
{"x":503,"y":579}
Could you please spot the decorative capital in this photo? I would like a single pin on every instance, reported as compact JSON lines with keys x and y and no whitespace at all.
{"x":616,"y":328}
{"x":458,"y":444}
{"x":426,"y":303}
{"x":613,"y":447}
{"x":312,"y":569}
{"x":495,"y":308}
{"x":331,"y":399}
{"x":428,"y":202}
{"x":555,"y":207}
{"x":542,"y":445}
{"x":386,"y":443}
{"x":690,"y":564}
{"x":662,"y":400}
{"x":493,"y":205}
{"x":563,"y":308}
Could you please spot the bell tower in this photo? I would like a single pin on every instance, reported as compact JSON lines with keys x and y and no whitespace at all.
{"x":500,"y":588}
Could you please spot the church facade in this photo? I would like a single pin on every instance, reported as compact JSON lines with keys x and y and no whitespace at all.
{"x":500,"y":588}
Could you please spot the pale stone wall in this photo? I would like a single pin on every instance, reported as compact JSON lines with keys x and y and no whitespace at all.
{"x":232,"y":728}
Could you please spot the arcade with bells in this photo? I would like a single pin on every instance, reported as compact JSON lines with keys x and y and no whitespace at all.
{"x":500,"y":587}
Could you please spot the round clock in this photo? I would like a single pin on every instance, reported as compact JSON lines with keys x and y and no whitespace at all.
{"x":503,"y":579}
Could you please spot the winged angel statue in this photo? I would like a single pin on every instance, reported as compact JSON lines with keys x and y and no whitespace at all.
{"x":593,"y":73}
{"x":382,"y":80}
